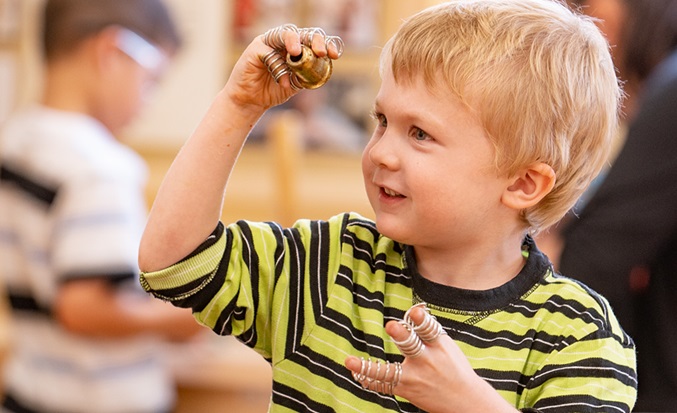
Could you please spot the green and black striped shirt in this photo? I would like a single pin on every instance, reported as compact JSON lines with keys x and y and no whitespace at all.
{"x":306,"y":297}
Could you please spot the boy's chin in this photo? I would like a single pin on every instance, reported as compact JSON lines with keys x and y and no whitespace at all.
{"x":391,"y":228}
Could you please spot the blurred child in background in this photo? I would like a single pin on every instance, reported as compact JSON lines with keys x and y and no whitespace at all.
{"x":72,"y":209}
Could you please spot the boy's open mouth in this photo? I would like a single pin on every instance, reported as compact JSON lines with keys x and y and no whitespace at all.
{"x":391,"y":193}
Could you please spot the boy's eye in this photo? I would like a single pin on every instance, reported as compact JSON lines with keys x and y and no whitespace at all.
{"x":419,"y":134}
{"x":380,"y":119}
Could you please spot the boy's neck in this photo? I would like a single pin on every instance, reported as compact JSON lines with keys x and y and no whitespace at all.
{"x":65,"y":88}
{"x":475,"y":266}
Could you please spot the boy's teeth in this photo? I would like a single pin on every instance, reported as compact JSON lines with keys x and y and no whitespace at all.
{"x":390,"y":192}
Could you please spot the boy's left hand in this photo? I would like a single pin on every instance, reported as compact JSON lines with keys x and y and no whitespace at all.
{"x":439,"y":379}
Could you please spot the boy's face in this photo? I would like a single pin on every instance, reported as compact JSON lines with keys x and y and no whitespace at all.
{"x":139,"y":64}
{"x":429,"y":168}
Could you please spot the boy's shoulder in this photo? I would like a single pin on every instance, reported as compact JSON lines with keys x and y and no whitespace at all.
{"x":350,"y":224}
{"x":67,"y":147}
{"x":571,"y":303}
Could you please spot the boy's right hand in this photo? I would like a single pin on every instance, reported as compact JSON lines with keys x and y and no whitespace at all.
{"x":251,"y":85}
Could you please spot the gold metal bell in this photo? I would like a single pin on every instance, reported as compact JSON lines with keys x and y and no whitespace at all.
{"x":309,"y":70}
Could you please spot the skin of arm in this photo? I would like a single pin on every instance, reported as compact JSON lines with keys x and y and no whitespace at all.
{"x":95,"y":308}
{"x":190,"y":200}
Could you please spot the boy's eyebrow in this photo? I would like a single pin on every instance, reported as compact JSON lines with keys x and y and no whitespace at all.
{"x":410,"y":113}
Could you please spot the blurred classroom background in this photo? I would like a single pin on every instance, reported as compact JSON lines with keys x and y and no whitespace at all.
{"x":303,"y":160}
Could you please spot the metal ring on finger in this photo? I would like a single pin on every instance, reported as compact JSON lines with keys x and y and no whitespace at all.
{"x":273,"y":37}
{"x":306,"y":70}
{"x":359,"y":377}
{"x":337,"y":42}
{"x":367,"y":380}
{"x":306,"y":35}
{"x":276,"y":64}
{"x":407,"y":316}
{"x":363,"y":376}
{"x":385,"y":376}
{"x":378,"y":371}
{"x":398,"y":374}
{"x":295,"y":83}
{"x":430,"y":329}
{"x":379,"y":383}
{"x":387,"y":386}
{"x":412,"y":346}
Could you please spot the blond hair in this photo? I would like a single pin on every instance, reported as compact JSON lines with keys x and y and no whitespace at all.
{"x":538,"y":76}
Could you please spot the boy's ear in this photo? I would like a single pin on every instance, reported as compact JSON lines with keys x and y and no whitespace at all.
{"x":105,"y":46}
{"x":529,"y":186}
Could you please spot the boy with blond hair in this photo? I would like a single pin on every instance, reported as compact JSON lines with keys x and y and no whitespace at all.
{"x":492,"y":118}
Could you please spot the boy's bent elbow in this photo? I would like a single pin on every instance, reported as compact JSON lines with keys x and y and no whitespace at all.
{"x":159,"y":250}
{"x":156,"y":252}
{"x":148,"y":261}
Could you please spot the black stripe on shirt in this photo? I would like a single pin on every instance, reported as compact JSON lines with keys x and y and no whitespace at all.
{"x":297,"y":275}
{"x":26,"y":302}
{"x":251,"y":260}
{"x":317,"y":271}
{"x":582,"y":403}
{"x":37,"y":190}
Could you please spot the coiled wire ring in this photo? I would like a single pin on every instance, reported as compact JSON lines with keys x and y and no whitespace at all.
{"x":412,"y":346}
{"x":385,"y":384}
{"x":306,"y":35}
{"x":276,"y":64}
{"x":430,"y":329}
{"x":274,"y":38}
{"x":337,"y":42}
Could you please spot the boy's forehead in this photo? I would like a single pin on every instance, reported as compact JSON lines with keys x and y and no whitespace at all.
{"x":438,"y":89}
{"x":414,"y":100}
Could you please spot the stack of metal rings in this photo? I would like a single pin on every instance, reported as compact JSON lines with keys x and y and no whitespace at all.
{"x":383,"y":383}
{"x":428,"y":331}
{"x":276,"y":62}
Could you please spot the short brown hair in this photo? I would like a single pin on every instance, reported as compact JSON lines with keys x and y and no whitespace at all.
{"x":66,"y":23}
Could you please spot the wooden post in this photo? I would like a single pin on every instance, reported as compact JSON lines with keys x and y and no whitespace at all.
{"x":285,"y":140}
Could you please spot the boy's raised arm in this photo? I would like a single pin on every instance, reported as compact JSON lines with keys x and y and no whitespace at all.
{"x":189,"y":202}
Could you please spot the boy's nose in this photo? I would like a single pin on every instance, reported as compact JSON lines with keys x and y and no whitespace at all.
{"x":383,"y":153}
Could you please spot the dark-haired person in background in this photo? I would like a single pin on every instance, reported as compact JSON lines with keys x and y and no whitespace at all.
{"x":72,"y":209}
{"x":623,"y":243}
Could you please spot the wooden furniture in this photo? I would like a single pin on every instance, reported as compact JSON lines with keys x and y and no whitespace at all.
{"x":220,"y":374}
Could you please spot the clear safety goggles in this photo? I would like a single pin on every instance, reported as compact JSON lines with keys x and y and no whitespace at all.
{"x":143,"y":52}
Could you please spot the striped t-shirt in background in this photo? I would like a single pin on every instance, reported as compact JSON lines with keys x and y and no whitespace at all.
{"x":72,"y":206}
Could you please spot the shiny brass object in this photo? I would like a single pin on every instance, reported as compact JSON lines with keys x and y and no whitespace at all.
{"x":308,"y":70}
